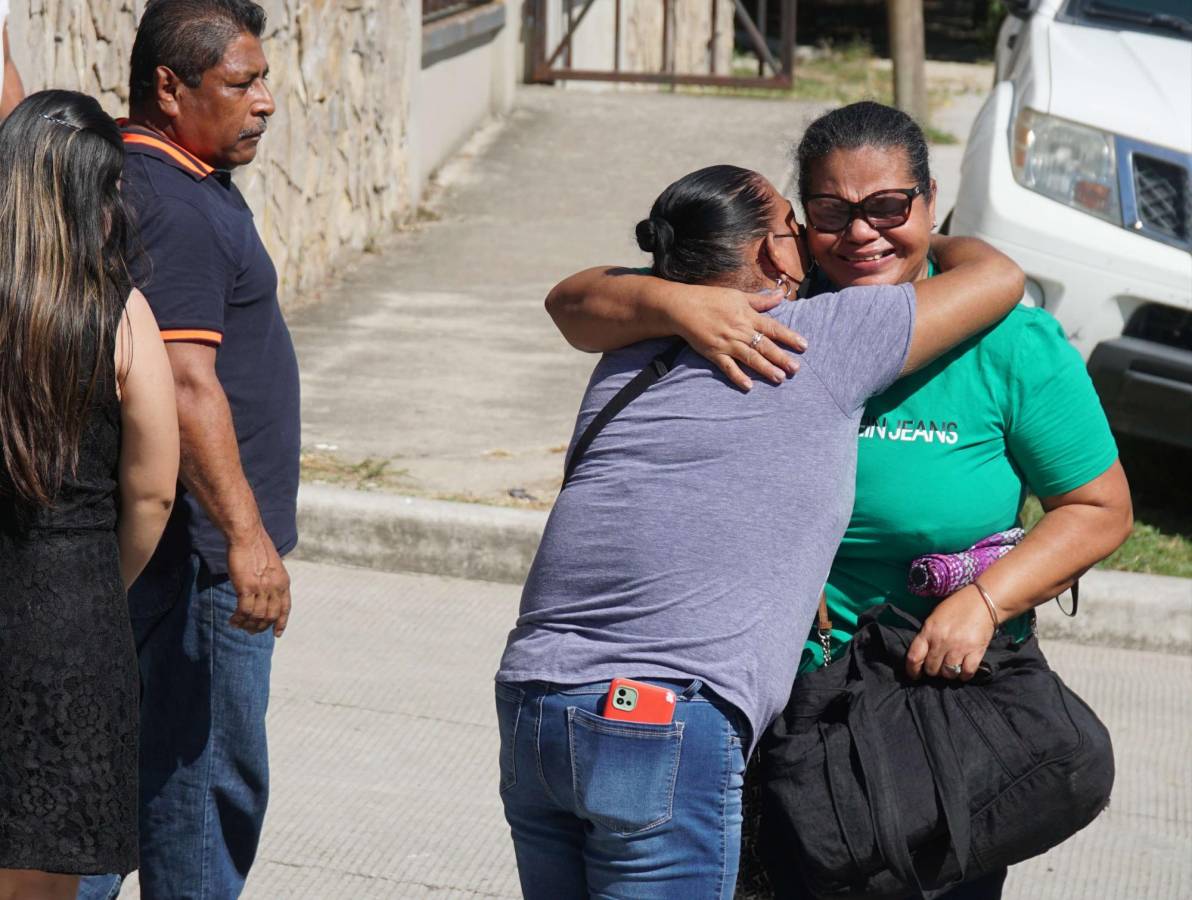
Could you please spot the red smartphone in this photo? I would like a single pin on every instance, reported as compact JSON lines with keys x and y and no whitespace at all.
{"x":635,"y":701}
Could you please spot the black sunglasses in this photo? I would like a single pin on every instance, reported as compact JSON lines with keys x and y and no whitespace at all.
{"x":881,"y":209}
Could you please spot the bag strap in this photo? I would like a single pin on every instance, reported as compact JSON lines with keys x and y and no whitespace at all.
{"x":950,"y":784}
{"x":879,"y":790}
{"x":823,"y":628}
{"x":1075,"y":600}
{"x":883,"y":803}
{"x":638,"y":385}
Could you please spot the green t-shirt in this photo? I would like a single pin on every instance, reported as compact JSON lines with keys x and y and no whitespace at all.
{"x":947,"y":455}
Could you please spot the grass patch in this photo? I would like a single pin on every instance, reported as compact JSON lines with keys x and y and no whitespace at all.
{"x":843,"y":75}
{"x":1160,"y":483}
{"x":378,"y":474}
{"x":836,"y":75}
{"x":1161,"y":540}
{"x":939,"y":136}
{"x":506,"y":499}
{"x":369,"y":474}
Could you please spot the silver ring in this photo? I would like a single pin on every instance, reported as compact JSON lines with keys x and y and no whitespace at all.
{"x":955,"y":670}
{"x":757,"y":339}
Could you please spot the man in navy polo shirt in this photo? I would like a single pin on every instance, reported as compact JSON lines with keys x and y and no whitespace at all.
{"x":216,"y":594}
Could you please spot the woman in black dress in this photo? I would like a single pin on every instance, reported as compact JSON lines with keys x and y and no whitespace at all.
{"x":88,"y":462}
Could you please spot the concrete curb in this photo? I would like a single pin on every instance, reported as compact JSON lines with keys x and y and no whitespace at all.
{"x":1126,"y":609}
{"x":395,"y":533}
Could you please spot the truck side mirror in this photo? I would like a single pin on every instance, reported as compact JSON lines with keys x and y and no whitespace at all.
{"x":1021,"y":9}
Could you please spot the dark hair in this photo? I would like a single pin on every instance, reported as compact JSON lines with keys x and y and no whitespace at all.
{"x":698,"y":225}
{"x":63,"y":282}
{"x":864,"y":124}
{"x":188,"y":37}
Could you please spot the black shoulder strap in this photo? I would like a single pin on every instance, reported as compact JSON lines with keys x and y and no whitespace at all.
{"x":640,"y":383}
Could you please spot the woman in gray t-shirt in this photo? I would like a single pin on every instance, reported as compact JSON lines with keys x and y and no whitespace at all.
{"x":653,"y":566}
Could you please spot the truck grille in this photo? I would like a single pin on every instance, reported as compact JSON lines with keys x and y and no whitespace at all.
{"x":1161,"y":324}
{"x":1163,"y":197}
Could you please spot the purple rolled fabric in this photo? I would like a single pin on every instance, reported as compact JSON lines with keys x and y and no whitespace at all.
{"x":943,"y":574}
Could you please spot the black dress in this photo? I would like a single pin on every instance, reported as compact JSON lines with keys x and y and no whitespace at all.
{"x":68,"y":671}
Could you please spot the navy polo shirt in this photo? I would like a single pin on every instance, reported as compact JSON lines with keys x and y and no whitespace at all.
{"x":198,"y":259}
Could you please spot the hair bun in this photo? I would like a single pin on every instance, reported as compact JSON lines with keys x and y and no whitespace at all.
{"x":655,"y":235}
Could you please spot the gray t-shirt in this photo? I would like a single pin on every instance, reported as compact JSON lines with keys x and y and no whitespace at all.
{"x":697,"y":532}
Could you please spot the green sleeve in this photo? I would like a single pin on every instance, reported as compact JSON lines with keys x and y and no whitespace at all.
{"x":1057,"y":433}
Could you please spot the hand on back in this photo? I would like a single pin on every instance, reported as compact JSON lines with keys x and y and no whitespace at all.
{"x":722,"y":324}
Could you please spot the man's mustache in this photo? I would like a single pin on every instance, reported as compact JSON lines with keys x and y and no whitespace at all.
{"x":255,"y":132}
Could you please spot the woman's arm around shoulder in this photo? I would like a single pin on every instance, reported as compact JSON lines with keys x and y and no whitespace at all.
{"x":608,"y":307}
{"x":148,"y":471}
{"x":977,"y":287}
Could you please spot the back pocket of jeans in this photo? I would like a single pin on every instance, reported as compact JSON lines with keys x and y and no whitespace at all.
{"x":623,"y":773}
{"x":509,"y":706}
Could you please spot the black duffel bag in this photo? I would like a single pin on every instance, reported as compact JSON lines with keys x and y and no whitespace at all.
{"x":875,"y":785}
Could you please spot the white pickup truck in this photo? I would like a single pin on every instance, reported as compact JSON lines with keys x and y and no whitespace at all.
{"x":1079,"y":166}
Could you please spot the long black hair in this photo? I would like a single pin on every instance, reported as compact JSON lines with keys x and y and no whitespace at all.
{"x":864,"y":124}
{"x":699,"y":225}
{"x":63,"y":282}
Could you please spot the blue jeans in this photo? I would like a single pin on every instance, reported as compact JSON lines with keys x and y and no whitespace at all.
{"x":599,"y":808}
{"x":204,"y":767}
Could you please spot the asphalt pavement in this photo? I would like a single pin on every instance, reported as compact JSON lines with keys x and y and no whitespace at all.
{"x":384,"y":751}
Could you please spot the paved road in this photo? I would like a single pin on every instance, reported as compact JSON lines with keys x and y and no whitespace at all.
{"x":384,"y":752}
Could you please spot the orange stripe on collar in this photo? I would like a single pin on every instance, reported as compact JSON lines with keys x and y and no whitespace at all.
{"x":201,"y":335}
{"x":176,"y":153}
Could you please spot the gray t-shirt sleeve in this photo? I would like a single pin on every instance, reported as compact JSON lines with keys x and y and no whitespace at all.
{"x":858,"y":339}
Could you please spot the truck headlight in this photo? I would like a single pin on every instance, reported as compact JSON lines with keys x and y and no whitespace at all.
{"x":1071,"y":163}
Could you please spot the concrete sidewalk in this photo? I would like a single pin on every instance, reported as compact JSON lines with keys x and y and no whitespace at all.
{"x":435,"y":357}
{"x":436,"y":354}
{"x":384,"y":749}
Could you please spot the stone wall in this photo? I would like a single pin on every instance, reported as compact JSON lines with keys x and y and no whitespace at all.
{"x":333,"y":171}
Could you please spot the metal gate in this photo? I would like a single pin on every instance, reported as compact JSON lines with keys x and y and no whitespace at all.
{"x":553,"y":63}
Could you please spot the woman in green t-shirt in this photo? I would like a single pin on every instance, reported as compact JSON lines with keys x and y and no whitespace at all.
{"x":947,"y":455}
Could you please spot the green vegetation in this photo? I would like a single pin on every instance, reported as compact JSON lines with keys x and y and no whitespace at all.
{"x":994,"y":16}
{"x":841,"y":75}
{"x":939,"y":136}
{"x":322,"y":466}
{"x":1154,"y":548}
{"x":835,"y":75}
{"x":368,"y":474}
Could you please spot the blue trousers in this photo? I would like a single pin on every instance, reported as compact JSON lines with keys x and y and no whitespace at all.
{"x":600,"y":808}
{"x":204,"y":770}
